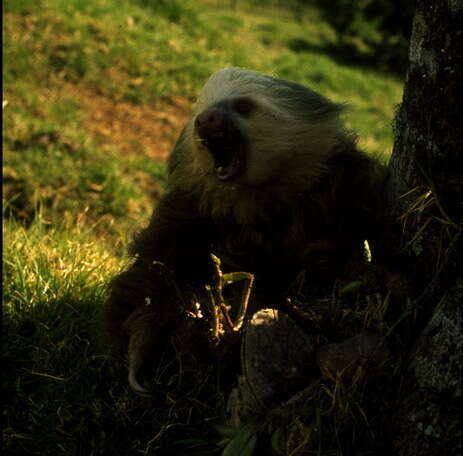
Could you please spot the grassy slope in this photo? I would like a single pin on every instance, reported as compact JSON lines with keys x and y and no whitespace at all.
{"x":96,"y":92}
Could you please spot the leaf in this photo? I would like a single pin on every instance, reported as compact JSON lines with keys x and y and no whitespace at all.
{"x":278,"y":441}
{"x":227,"y":431}
{"x":223,"y":443}
{"x":190,"y":442}
{"x":351,"y":288}
{"x":232,"y":277}
{"x":242,"y":445}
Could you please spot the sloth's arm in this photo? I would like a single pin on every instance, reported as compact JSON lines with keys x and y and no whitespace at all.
{"x":176,"y":236}
{"x":144,"y":301}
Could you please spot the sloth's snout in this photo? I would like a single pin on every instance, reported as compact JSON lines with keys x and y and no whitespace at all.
{"x":211,"y":124}
{"x":220,"y":136}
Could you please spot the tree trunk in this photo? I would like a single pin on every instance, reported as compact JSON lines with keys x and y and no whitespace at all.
{"x":426,"y":168}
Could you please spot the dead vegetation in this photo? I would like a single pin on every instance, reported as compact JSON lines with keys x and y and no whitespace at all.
{"x":343,"y":403}
{"x":126,"y":128}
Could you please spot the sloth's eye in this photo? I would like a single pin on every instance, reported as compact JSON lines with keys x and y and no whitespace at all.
{"x":244,"y":106}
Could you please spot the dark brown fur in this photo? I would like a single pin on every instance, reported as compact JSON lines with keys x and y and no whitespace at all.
{"x":320,"y":230}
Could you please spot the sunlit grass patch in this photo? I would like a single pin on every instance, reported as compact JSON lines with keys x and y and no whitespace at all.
{"x":54,"y":352}
{"x":50,"y":157}
{"x":46,"y":264}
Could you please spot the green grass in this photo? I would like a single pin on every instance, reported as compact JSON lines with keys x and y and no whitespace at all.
{"x":72,"y":199}
{"x":54,"y":357}
{"x":63,"y":392}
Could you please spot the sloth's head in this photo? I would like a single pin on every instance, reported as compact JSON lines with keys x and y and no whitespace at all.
{"x":252,"y":129}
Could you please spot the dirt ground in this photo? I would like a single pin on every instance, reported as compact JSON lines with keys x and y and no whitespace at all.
{"x":125,"y":128}
{"x":131,"y":128}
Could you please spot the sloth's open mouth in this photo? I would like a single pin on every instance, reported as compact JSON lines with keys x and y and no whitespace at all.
{"x":219,"y":134}
{"x":229,"y":156}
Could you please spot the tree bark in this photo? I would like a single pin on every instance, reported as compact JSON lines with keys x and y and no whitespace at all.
{"x":426,"y":168}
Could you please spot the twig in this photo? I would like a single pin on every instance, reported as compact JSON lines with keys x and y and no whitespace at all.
{"x":214,"y":311}
{"x":243,"y":307}
{"x":218,"y":302}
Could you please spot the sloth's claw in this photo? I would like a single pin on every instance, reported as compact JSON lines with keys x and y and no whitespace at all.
{"x":135,"y":385}
{"x":140,"y":344}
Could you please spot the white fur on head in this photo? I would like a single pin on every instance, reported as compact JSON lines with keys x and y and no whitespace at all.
{"x":289,"y":137}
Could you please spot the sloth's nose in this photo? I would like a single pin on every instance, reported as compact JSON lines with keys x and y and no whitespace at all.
{"x":211,"y":123}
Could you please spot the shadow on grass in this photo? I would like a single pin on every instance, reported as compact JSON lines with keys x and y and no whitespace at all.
{"x":348,"y":54}
{"x":65,"y":394}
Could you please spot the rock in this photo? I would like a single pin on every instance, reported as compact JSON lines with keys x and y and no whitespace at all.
{"x":366,"y":350}
{"x":278,"y":360}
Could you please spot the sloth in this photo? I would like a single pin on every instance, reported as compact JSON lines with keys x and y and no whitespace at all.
{"x":266,"y":176}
